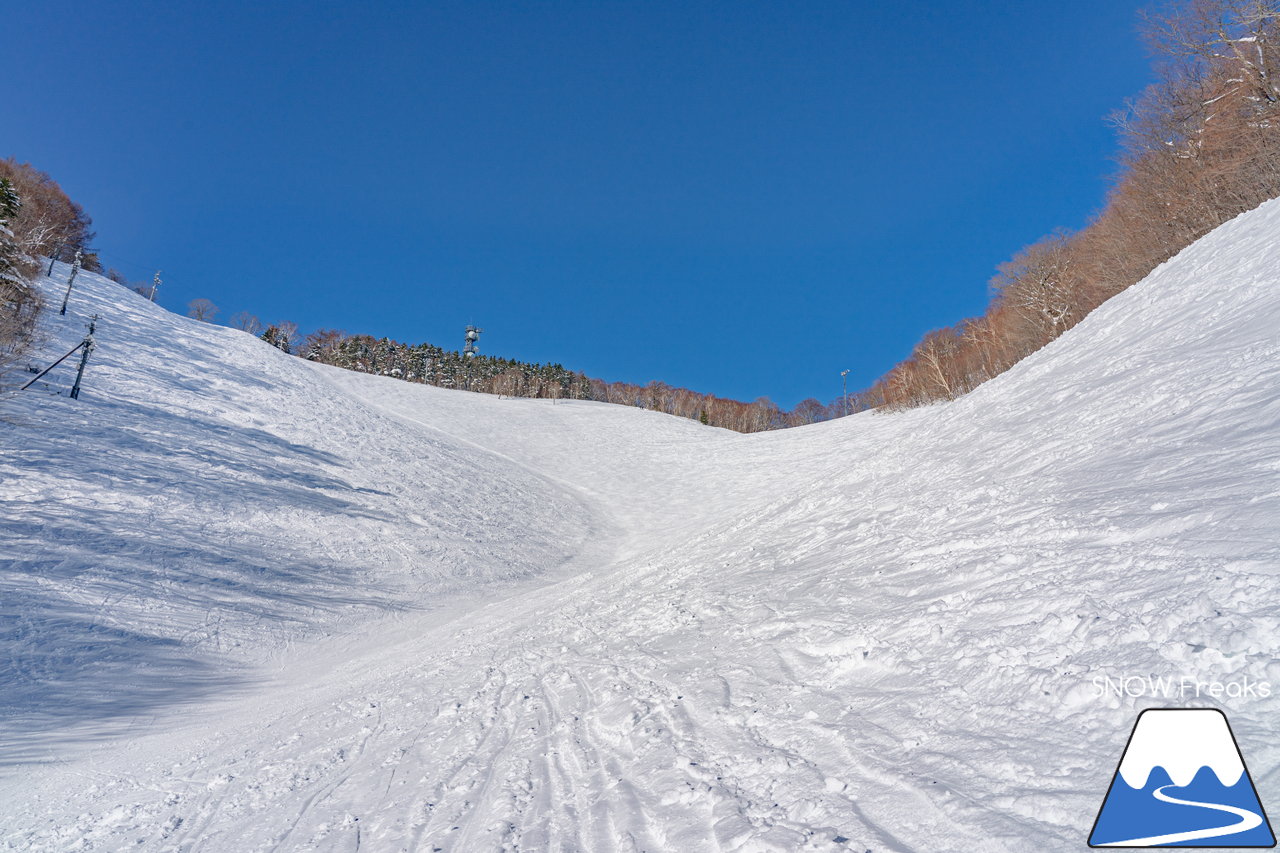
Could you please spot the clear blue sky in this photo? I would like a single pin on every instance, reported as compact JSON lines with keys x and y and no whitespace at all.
{"x":740,"y":197}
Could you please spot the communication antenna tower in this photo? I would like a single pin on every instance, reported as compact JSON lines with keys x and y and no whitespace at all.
{"x":471,"y":347}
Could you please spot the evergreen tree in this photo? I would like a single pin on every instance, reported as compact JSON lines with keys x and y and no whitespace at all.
{"x":277,"y":337}
{"x":19,"y":302}
{"x":11,"y":257}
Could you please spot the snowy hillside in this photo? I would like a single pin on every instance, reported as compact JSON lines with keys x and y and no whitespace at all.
{"x":250,"y":603}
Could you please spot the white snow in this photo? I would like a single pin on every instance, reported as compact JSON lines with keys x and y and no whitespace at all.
{"x":249,"y":603}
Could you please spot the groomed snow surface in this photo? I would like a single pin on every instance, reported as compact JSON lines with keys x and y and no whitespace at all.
{"x":248,"y":603}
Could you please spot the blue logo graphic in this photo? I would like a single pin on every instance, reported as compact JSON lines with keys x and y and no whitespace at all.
{"x":1182,"y":782}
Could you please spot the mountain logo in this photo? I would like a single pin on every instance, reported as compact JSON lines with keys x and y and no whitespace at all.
{"x":1182,"y":782}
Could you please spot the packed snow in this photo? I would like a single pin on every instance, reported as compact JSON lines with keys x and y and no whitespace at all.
{"x":250,"y":603}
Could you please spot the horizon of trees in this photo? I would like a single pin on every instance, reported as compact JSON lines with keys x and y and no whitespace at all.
{"x":432,"y":365}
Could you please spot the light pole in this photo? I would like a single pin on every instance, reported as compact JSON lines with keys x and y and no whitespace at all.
{"x":844,"y":378}
{"x":155,"y":282}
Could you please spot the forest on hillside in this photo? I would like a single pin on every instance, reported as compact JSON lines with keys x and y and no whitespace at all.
{"x":511,"y":378}
{"x":1199,"y":147}
{"x":37,"y":220}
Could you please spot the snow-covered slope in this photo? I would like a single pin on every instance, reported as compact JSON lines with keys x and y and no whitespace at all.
{"x":256,"y":604}
{"x":208,"y":494}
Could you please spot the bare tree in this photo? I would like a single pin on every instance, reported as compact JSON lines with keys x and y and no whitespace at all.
{"x":807,"y":411}
{"x":1037,"y":283}
{"x":936,"y":355}
{"x":321,"y":344}
{"x":246,"y":322}
{"x":202,"y":309}
{"x":763,"y":414}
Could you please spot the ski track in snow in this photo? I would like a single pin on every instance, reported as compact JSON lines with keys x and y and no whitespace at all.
{"x":255,"y":604}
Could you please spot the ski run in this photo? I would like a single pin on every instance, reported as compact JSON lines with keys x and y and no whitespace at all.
{"x":250,"y":603}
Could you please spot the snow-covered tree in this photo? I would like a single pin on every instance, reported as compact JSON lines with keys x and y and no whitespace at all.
{"x":19,"y":302}
{"x":11,"y":256}
{"x":278,"y":337}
